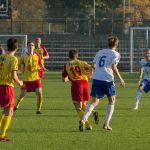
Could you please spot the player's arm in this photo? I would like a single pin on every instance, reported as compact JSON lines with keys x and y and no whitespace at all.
{"x":141,"y":74}
{"x":14,"y":69}
{"x":116,"y":71}
{"x":45,"y":53}
{"x":89,"y":69}
{"x":16,"y":79}
{"x":64,"y":74}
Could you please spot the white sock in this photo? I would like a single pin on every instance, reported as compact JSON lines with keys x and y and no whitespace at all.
{"x":109,"y":112}
{"x":137,"y":96}
{"x":88,"y":112}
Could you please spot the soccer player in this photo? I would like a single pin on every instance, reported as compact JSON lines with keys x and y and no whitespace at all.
{"x":42,"y":51}
{"x":8,"y":75}
{"x":31,"y":62}
{"x":78,"y":73}
{"x":105,"y":63}
{"x":144,"y":82}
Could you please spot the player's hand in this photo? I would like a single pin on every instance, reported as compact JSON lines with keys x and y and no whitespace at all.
{"x":21,"y":83}
{"x":122,"y":83}
{"x":44,"y":69}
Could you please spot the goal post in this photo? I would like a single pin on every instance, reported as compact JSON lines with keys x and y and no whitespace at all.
{"x":22,"y":39}
{"x":139,"y":40}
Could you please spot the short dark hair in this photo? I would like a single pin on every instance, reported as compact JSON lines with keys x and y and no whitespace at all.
{"x":12,"y":44}
{"x":29,"y":42}
{"x":73,"y":53}
{"x":113,"y":41}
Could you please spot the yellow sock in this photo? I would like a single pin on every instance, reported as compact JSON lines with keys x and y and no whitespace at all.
{"x":4,"y":126}
{"x":2,"y":117}
{"x":87,"y":124}
{"x":19,"y":100}
{"x":39,"y":103}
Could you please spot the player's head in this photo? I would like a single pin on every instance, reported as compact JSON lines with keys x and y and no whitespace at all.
{"x":147,"y":53}
{"x":38,"y":42}
{"x":113,"y":42}
{"x":73,"y":54}
{"x":31,"y":46}
{"x":12,"y":44}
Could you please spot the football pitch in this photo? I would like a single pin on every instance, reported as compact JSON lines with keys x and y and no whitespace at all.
{"x":57,"y":127}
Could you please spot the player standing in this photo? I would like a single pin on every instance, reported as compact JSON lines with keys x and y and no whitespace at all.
{"x":144,"y":82}
{"x":76,"y":71}
{"x":105,"y":63}
{"x":8,"y":75}
{"x":31,"y":62}
{"x":42,"y":52}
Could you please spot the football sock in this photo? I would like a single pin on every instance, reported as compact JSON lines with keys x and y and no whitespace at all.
{"x":4,"y":126}
{"x":80,"y":114}
{"x":84,"y":108}
{"x":2,"y":117}
{"x":19,"y":100}
{"x":137,"y":96}
{"x":39,"y":103}
{"x":109,"y":112}
{"x":87,"y":113}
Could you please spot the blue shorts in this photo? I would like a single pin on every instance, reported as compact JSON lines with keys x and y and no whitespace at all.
{"x":146,"y":84}
{"x":101,"y":88}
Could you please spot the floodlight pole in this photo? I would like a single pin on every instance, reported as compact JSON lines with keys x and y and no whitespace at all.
{"x":94,"y":18}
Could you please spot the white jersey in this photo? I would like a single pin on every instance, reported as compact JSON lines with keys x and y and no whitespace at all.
{"x":103,"y":60}
{"x":146,"y":66}
{"x":24,"y":51}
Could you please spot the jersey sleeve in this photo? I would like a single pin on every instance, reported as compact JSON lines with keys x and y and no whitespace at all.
{"x":116,"y":58}
{"x":14,"y":65}
{"x":64,"y":72}
{"x":86,"y":65}
{"x":45,"y":53}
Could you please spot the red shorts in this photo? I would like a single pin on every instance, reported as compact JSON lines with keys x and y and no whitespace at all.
{"x":41,"y":73}
{"x":6,"y":96}
{"x":80,"y":90}
{"x":31,"y":86}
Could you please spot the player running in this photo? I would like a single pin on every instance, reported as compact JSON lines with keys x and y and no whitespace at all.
{"x":144,"y":82}
{"x":76,"y":71}
{"x":105,"y":63}
{"x":8,"y":75}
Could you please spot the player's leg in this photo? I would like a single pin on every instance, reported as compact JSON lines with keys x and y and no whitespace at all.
{"x":78,"y":107}
{"x":20,"y":98}
{"x":8,"y":113}
{"x":95,"y":113}
{"x":89,"y":109}
{"x":144,"y":86}
{"x":1,"y":117}
{"x":39,"y":100}
{"x":109,"y":112}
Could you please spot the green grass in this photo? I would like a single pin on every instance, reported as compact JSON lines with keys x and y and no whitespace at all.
{"x":57,"y":127}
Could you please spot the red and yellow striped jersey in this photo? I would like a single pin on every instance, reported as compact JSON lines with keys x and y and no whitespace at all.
{"x":76,"y":70}
{"x":40,"y":52}
{"x":8,"y":63}
{"x":31,"y":66}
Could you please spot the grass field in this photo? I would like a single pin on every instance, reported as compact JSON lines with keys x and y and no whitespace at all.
{"x":57,"y":127}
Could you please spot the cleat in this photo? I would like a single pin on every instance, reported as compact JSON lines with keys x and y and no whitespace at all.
{"x":4,"y":139}
{"x":107,"y":127}
{"x":81,"y":126}
{"x":96,"y":117}
{"x":88,"y":128}
{"x":38,"y":112}
{"x":15,"y":108}
{"x":135,"y":107}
